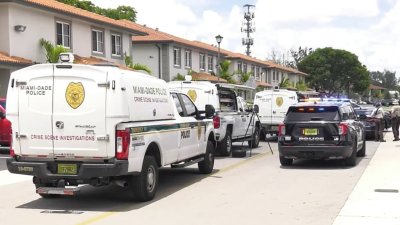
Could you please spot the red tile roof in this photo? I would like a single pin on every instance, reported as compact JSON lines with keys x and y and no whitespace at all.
{"x":374,"y":87}
{"x":207,"y":77}
{"x":68,"y":9}
{"x":263,"y":84}
{"x":94,"y":60}
{"x":6,"y":58}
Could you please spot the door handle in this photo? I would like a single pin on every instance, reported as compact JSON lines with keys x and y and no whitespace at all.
{"x":60,"y":125}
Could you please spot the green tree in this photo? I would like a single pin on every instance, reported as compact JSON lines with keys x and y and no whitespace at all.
{"x":299,"y":55}
{"x":335,"y":70}
{"x":121,"y":12}
{"x":285,"y":83}
{"x":386,"y":78}
{"x":244,"y":77}
{"x":301,"y":86}
{"x":137,"y":66}
{"x":224,"y":71}
{"x":52,"y":51}
{"x":179,"y":77}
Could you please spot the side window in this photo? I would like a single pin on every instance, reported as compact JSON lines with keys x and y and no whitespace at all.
{"x":189,"y":106}
{"x":352,"y":114}
{"x":227,"y":100}
{"x":178,"y":104}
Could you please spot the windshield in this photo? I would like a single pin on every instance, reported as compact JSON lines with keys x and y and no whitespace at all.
{"x":366,"y":112}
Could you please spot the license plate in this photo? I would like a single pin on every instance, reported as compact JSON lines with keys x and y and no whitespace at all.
{"x":309,"y":131}
{"x":67,"y":169}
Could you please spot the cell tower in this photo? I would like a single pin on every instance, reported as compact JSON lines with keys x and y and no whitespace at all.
{"x":248,"y":27}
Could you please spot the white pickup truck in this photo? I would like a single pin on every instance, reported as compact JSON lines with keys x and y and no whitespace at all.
{"x":78,"y":124}
{"x":234,"y":121}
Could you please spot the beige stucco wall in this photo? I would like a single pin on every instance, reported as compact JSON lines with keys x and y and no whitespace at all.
{"x":4,"y":28}
{"x":147,"y":54}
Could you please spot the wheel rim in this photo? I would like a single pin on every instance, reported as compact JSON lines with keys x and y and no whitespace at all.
{"x":151,"y":179}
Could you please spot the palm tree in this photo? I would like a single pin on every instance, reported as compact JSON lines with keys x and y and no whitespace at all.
{"x":52,"y":52}
{"x":224,"y":71}
{"x":244,"y":77}
{"x":285,"y":83}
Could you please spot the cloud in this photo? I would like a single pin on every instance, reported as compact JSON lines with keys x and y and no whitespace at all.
{"x":284,"y":24}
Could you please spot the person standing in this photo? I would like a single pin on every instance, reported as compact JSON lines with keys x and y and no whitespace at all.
{"x":379,"y":123}
{"x":395,"y":117}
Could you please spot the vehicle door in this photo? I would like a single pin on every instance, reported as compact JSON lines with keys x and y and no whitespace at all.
{"x":35,"y":109}
{"x":358,"y":125}
{"x":246,"y":115}
{"x":280,"y":104}
{"x":79,"y":111}
{"x":189,"y":133}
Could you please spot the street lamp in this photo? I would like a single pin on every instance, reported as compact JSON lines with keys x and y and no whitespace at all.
{"x":219,"y":40}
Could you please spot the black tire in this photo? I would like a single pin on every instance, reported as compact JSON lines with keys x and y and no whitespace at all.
{"x":352,"y":160}
{"x":207,"y":165}
{"x":256,"y":138}
{"x":361,"y":153}
{"x":239,"y":153}
{"x":144,"y":186}
{"x":225,"y":146}
{"x":285,"y":162}
{"x":263,"y":136}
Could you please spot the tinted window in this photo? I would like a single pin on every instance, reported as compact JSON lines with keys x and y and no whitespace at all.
{"x":190,"y":107}
{"x":178,"y":104}
{"x":312,"y":113}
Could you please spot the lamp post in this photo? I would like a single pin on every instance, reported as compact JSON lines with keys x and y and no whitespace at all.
{"x":218,"y":38}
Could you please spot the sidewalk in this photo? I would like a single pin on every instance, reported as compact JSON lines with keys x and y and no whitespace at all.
{"x":368,"y":206}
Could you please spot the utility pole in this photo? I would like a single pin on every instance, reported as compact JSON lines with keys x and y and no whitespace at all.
{"x":248,"y":27}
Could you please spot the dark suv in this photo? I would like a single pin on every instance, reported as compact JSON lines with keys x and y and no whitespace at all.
{"x":321,"y":130}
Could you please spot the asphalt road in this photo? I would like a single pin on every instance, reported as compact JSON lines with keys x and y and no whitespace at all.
{"x":251,"y":190}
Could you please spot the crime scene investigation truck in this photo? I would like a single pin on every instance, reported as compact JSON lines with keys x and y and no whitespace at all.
{"x":79,"y":124}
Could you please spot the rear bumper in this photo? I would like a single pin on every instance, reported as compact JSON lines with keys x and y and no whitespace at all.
{"x":315,"y":152}
{"x":46,"y":170}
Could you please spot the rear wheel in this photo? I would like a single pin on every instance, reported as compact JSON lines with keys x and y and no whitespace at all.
{"x":256,"y":138}
{"x":207,"y":165}
{"x":285,"y":162}
{"x":351,"y":161}
{"x":225,"y":146}
{"x":144,"y":186}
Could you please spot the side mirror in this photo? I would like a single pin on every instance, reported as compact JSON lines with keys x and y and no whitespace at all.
{"x":210,"y":110}
{"x":2,"y":115}
{"x":256,"y":109}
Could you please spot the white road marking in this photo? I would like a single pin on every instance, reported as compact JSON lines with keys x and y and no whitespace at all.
{"x":9,"y":178}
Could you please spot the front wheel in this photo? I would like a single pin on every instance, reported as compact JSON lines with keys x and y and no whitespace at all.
{"x":144,"y":186}
{"x":361,"y":153}
{"x":207,"y":165}
{"x":285,"y":162}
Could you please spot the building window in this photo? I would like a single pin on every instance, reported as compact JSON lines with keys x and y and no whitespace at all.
{"x":244,"y":67}
{"x":274,"y":78}
{"x":177,"y":57}
{"x":258,"y":75}
{"x":210,"y":62}
{"x":253,"y":71}
{"x":239,"y":67}
{"x":202,"y":62}
{"x":188,"y":59}
{"x":63,"y":34}
{"x":116,"y":45}
{"x":97,"y":41}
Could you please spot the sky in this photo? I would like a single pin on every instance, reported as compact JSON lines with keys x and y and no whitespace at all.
{"x":368,"y":28}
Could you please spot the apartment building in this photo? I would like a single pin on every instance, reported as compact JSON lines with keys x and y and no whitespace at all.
{"x":88,"y":35}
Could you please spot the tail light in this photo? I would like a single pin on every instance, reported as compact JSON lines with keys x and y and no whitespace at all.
{"x":217,"y":122}
{"x":123,"y":142}
{"x":343,"y":128}
{"x":12,"y":152}
{"x":281,"y":129}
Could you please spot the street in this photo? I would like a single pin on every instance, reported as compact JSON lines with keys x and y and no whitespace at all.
{"x":251,"y":190}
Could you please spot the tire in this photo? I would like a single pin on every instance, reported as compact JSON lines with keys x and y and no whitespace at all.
{"x":285,"y":162}
{"x":239,"y":153}
{"x":352,"y":160}
{"x":256,"y":139}
{"x":207,"y":165}
{"x":361,"y":153}
{"x":225,"y":146}
{"x":144,"y":186}
{"x":262,"y":135}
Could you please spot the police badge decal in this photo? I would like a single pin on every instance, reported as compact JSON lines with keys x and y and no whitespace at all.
{"x":75,"y":94}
